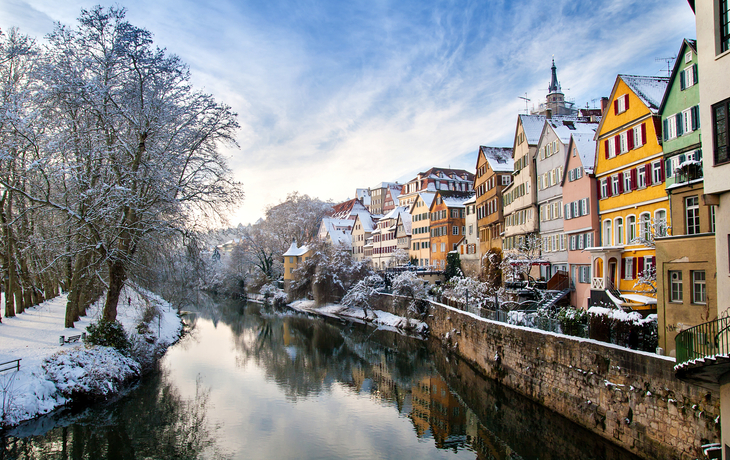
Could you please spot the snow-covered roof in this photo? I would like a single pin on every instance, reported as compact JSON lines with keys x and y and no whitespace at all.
{"x":295,"y":251}
{"x":586,"y":147}
{"x":405,"y":219}
{"x":455,"y":199}
{"x":395,"y":212}
{"x":366,"y":220}
{"x":427,"y":198}
{"x":532,"y":125}
{"x":565,"y":127}
{"x":649,"y":89}
{"x":471,"y":200}
{"x":499,"y":158}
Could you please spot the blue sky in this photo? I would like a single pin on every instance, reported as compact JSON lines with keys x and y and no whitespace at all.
{"x":334,"y":95}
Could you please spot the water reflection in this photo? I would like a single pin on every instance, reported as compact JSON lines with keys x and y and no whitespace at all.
{"x":152,"y":421}
{"x":274,"y":384}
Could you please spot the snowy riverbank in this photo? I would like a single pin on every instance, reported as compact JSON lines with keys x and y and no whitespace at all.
{"x":382,"y":319}
{"x":51,"y":374}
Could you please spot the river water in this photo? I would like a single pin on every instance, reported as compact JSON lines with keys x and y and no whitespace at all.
{"x":257,"y":382}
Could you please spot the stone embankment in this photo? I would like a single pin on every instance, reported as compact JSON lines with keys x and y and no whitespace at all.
{"x":630,"y":398}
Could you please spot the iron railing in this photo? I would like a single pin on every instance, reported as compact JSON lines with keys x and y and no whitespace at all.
{"x":703,"y":341}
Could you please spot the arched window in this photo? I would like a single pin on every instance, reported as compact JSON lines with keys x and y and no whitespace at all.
{"x":660,"y":222}
{"x":619,"y":229}
{"x":607,"y":233}
{"x":645,"y":226}
{"x":630,"y":229}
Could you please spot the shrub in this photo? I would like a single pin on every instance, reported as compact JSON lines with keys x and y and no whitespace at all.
{"x":108,"y":334}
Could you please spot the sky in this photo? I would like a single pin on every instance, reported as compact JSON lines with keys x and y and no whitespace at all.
{"x":337,"y":95}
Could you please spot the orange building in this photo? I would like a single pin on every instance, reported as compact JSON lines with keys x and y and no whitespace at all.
{"x":448,"y":213}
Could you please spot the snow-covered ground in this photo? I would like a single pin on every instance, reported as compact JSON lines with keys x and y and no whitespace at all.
{"x":376,"y":317}
{"x":50,"y":372}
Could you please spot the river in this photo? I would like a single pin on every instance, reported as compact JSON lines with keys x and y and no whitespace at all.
{"x":250,"y":381}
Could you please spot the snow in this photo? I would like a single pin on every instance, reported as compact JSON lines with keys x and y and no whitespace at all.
{"x":532,"y":125}
{"x":649,"y":89}
{"x":586,"y":146}
{"x":377,"y":317}
{"x":563,"y":131}
{"x":50,"y":373}
{"x":295,"y":251}
{"x":499,"y":158}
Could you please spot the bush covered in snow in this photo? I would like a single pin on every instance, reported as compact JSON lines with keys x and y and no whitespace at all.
{"x":409,"y":285}
{"x":363,"y":294}
{"x":108,"y":334}
{"x":94,"y":372}
{"x":628,"y":329}
{"x":463,"y":289}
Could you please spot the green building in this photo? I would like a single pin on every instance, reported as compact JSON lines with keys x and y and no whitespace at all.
{"x":685,"y":254}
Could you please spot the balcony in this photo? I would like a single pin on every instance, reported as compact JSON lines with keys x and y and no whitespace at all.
{"x":598,"y":283}
{"x":703,"y":353}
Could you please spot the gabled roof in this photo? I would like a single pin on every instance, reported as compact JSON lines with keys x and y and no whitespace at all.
{"x":454,"y":199}
{"x":405,"y":219}
{"x":295,"y":251}
{"x":564,"y":127}
{"x":344,"y":209}
{"x":499,"y":158}
{"x":395,"y":213}
{"x":586,"y":147}
{"x":532,"y":125}
{"x":427,"y":198}
{"x":649,"y":89}
{"x":692,"y":44}
{"x":366,"y":220}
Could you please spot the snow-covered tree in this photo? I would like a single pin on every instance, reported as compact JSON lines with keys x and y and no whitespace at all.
{"x":131,"y":151}
{"x":518,"y":264}
{"x":399,"y":258}
{"x":364,"y":292}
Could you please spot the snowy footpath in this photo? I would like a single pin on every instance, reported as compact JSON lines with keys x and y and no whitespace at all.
{"x":51,"y":374}
{"x":382,"y":319}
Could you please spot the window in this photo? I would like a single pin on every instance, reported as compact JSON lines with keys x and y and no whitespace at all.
{"x":443,"y":247}
{"x":644,"y":223}
{"x":607,"y":233}
{"x":619,"y":231}
{"x":675,"y":286}
{"x":692,"y":214}
{"x":454,"y":230}
{"x":627,"y":182}
{"x":699,"y":287}
{"x":621,"y":104}
{"x":611,"y":148}
{"x":656,"y":173}
{"x":688,"y":77}
{"x":720,"y":130}
{"x":670,"y":127}
{"x":660,"y":222}
{"x":604,"y":188}
{"x":624,"y":142}
{"x":628,"y":268}
{"x":724,"y":25}
{"x":641,"y":173}
{"x":614,"y":185}
{"x":638,"y":136}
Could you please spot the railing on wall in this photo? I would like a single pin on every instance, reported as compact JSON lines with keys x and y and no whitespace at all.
{"x":703,"y":341}
{"x":598,"y":283}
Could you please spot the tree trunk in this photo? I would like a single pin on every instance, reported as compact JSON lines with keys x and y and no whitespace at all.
{"x":117,"y":277}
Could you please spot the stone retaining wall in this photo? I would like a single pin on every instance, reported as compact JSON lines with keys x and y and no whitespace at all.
{"x":631,"y":398}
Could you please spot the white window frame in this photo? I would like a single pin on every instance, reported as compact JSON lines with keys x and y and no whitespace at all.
{"x":687,"y":120}
{"x":637,"y":137}
{"x":675,"y":286}
{"x":622,"y":103}
{"x":672,"y":127}
{"x":656,"y":170}
{"x":611,"y":148}
{"x":628,"y":268}
{"x":618,"y":226}
{"x":624,"y":141}
{"x":699,"y":287}
{"x":627,"y":182}
{"x":689,"y":77}
{"x":641,"y":176}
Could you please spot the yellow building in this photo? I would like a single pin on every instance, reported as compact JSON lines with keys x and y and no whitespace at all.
{"x":633,"y":206}
{"x":420,"y":248}
{"x":293,"y":257}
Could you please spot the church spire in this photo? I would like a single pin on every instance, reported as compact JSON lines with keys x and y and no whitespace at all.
{"x":554,"y":85}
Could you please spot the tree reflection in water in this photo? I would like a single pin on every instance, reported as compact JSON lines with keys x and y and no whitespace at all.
{"x":152,"y":421}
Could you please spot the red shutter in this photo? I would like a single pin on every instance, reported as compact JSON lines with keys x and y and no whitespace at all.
{"x":643,"y":133}
{"x":609,"y":192}
{"x":623,"y":269}
{"x":653,"y":262}
{"x":615,"y":107}
{"x":661,"y":171}
{"x":617,"y":144}
{"x":605,"y":145}
{"x":621,"y":182}
{"x":634,"y":182}
{"x":626,"y":102}
{"x":641,"y":265}
{"x":598,"y":183}
{"x":630,"y":139}
{"x":647,"y":170}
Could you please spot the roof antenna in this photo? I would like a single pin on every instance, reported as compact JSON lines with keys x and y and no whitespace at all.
{"x":669,"y":61}
{"x":526,"y":101}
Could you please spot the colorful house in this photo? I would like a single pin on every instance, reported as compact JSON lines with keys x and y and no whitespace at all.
{"x":436,"y":179}
{"x":633,"y":204}
{"x":580,"y":202}
{"x":448,"y":213}
{"x":293,"y":257}
{"x":469,"y":244}
{"x":549,"y":167}
{"x":362,"y":228}
{"x":384,"y":238}
{"x":420,"y":211}
{"x":495,"y":166}
{"x":520,"y":197}
{"x":685,"y":277}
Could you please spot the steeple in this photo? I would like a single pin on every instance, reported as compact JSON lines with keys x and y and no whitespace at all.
{"x":554,"y":85}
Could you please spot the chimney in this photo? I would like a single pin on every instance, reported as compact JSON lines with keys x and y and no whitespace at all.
{"x":548,"y":113}
{"x":604,"y":105}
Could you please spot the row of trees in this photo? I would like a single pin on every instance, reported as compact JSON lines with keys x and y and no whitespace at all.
{"x":106,"y":150}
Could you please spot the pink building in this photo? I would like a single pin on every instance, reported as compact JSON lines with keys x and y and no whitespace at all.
{"x":581,"y":224}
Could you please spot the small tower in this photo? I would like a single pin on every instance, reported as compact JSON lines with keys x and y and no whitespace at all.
{"x":555,"y":98}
